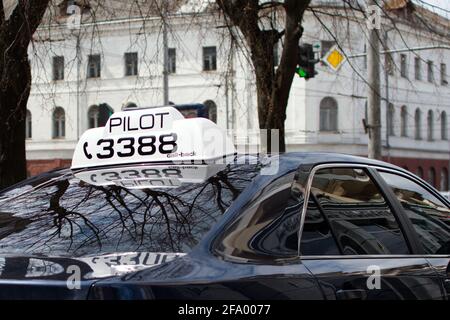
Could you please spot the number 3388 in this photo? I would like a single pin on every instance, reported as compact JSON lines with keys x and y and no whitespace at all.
{"x":129,"y":146}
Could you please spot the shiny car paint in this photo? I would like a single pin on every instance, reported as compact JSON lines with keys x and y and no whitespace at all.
{"x":204,"y":274}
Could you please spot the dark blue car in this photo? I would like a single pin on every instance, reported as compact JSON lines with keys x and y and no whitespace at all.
{"x":124,"y":224}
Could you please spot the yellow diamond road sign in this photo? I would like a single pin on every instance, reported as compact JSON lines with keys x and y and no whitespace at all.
{"x":335,"y":58}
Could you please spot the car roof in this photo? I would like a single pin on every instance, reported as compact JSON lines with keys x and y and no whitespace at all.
{"x":288,"y":161}
{"x":316,"y":158}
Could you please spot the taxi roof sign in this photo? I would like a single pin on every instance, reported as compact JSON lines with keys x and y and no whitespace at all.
{"x":151,"y":135}
{"x":335,"y":58}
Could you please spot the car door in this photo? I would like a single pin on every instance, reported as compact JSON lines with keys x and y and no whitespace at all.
{"x":430,"y":218}
{"x":354,"y":242}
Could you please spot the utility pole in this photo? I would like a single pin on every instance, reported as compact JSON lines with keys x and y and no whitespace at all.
{"x":165,"y":55}
{"x":374,"y":100}
{"x":387,"y":64}
{"x":78,"y":53}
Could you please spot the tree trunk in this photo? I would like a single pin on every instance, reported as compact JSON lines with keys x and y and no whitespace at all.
{"x":15,"y":82}
{"x":13,"y":105}
{"x":273,"y":87}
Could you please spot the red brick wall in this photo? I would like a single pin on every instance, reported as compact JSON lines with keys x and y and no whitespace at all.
{"x":413,"y":165}
{"x":35,"y":167}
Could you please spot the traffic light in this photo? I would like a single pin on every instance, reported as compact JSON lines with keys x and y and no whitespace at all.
{"x":306,"y":61}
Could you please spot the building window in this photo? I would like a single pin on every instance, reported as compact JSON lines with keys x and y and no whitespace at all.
{"x":28,"y":130}
{"x":417,"y":68}
{"x":391,"y":120}
{"x":130,"y":105}
{"x":328,"y":114}
{"x":417,"y":122}
{"x":430,"y":125}
{"x":432,"y":176}
{"x":365,"y":57}
{"x":444,"y":81}
{"x":276,"y":55}
{"x":403,"y":66}
{"x":172,"y":56}
{"x":444,"y":179}
{"x":404,"y":122}
{"x":59,"y":123}
{"x":209,"y":58}
{"x":58,"y":68}
{"x":444,"y":129}
{"x":212,"y":110}
{"x":390,"y":64}
{"x":430,"y":71}
{"x":94,"y":66}
{"x":131,"y":64}
{"x":420,"y":172}
{"x":99,"y":115}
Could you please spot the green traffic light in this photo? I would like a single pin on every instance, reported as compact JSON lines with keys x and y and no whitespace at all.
{"x":302,"y":73}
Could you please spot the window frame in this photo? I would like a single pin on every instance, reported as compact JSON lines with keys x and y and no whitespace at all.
{"x":404,"y":66}
{"x":212,"y":58}
{"x":92,"y":60}
{"x":430,"y":71}
{"x":329,"y":115}
{"x":411,"y":238}
{"x":58,"y":66}
{"x":59,"y":124}
{"x":172,"y":60}
{"x":131,"y":61}
{"x":418,"y":69}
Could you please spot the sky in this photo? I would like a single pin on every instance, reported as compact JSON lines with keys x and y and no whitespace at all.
{"x":441,"y":3}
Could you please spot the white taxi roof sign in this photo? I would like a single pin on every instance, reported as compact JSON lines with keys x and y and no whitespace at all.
{"x":151,"y":135}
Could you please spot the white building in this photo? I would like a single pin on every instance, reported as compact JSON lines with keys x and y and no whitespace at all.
{"x":117,"y":60}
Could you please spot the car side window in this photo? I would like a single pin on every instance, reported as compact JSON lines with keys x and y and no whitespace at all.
{"x":429,"y":216}
{"x":358,"y":214}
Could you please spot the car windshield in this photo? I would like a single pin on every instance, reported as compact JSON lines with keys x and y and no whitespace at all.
{"x":71,"y":217}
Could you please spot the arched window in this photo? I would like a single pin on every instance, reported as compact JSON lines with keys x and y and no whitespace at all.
{"x":432,"y":176}
{"x":391,"y":119}
{"x":328,"y":114}
{"x":444,"y":179}
{"x":417,"y":122}
{"x":130,"y":105}
{"x":420,"y":172}
{"x":444,"y":128}
{"x":404,"y":122}
{"x":28,"y":129}
{"x":430,"y":125}
{"x":59,"y":123}
{"x":99,"y":115}
{"x":212,"y":110}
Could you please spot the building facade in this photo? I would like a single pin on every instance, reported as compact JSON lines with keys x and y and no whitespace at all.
{"x":83,"y":74}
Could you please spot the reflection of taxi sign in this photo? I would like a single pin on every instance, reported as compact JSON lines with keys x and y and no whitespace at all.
{"x":335,"y":58}
{"x":151,"y":135}
{"x":154,"y":176}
